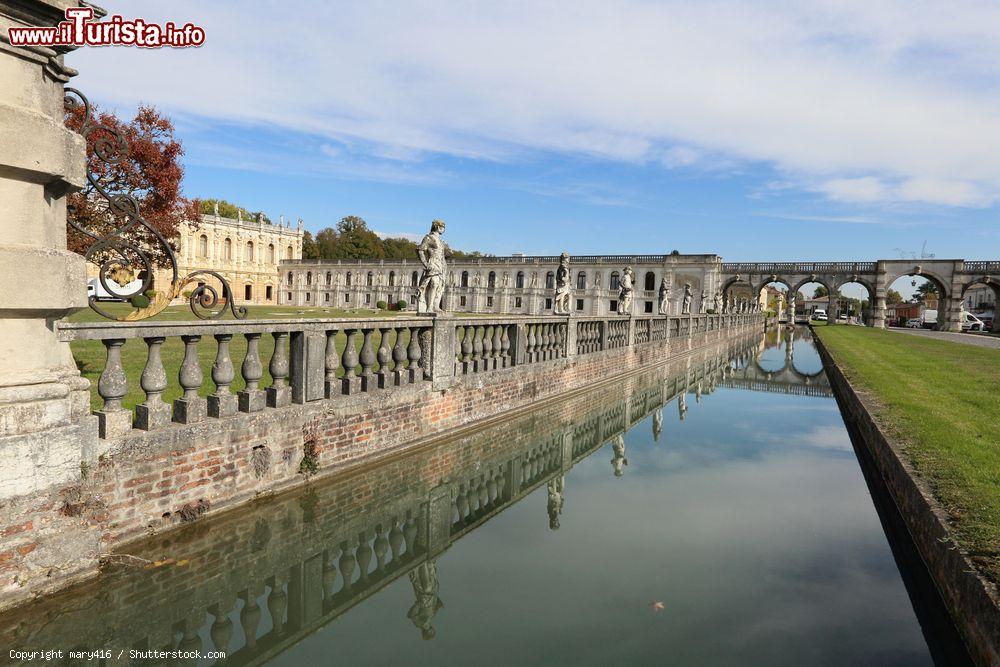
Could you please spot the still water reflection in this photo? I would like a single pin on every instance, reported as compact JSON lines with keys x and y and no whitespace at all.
{"x":711,"y":512}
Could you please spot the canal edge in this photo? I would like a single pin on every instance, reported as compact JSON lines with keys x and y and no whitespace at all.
{"x":971,"y":600}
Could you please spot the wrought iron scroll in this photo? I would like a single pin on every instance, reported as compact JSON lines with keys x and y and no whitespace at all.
{"x":120,"y":250}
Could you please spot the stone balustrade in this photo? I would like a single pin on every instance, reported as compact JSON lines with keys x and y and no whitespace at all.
{"x":328,"y":359}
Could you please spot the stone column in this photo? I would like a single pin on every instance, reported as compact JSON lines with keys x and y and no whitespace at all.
{"x":878,"y":298}
{"x":45,"y":425}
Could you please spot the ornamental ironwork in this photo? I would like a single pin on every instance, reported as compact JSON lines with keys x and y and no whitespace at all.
{"x":128,"y":244}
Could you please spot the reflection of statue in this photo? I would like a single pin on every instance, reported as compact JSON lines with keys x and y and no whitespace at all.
{"x":686,"y":303}
{"x":703,"y":306}
{"x":556,"y":487}
{"x":697,"y":392}
{"x":663,"y":306}
{"x":431,"y":253}
{"x":619,"y":460}
{"x":561,"y":303}
{"x":425,"y":589}
{"x":657,"y":424}
{"x":625,"y":292}
{"x":682,"y":405}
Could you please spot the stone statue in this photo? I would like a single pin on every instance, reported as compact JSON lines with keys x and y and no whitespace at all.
{"x":506,"y":279}
{"x":555,"y":488}
{"x":560,"y":304}
{"x":239,"y":216}
{"x":682,"y":405}
{"x":215,"y":208}
{"x":657,"y":424}
{"x":425,"y":589}
{"x":619,"y":460}
{"x":718,"y":301}
{"x":430,"y":291}
{"x":663,"y":306}
{"x":703,"y":306}
{"x":534,"y":278}
{"x":597,"y":280}
{"x":625,"y":292}
{"x":686,"y":303}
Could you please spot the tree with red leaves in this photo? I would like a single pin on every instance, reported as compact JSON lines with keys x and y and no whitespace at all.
{"x":149,"y":170}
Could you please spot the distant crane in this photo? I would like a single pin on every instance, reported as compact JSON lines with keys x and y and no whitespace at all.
{"x":909,"y":254}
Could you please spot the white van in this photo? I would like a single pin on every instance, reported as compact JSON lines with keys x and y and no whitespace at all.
{"x":819,"y":314}
{"x":972,"y":323}
{"x":96,"y":291}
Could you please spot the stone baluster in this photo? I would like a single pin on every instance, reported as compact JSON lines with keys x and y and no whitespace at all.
{"x":279,"y":394}
{"x":477,"y":348}
{"x":251,"y":398}
{"x":462,"y":502}
{"x":505,"y":356}
{"x":221,"y":631}
{"x":190,"y":407}
{"x":399,"y":358}
{"x":113,"y":419}
{"x":469,"y":333}
{"x":347,"y":563}
{"x":381,"y":546}
{"x":396,"y":541}
{"x":415,"y":354}
{"x":250,"y":617}
{"x":367,"y":361}
{"x":153,"y":412}
{"x":329,"y":576}
{"x":350,"y":383}
{"x":497,"y":361}
{"x":331,"y":362}
{"x":410,"y":535}
{"x":384,"y":356}
{"x":364,"y":557}
{"x":222,"y":403}
{"x":488,"y":348}
{"x":529,"y":349}
{"x":277,"y":603}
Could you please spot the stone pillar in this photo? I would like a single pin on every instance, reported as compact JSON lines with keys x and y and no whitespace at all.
{"x":878,"y":298}
{"x":954,"y":305}
{"x":833,"y":307}
{"x":442,"y":361}
{"x":45,"y":425}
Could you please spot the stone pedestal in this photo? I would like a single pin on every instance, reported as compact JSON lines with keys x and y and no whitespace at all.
{"x":46,"y":429}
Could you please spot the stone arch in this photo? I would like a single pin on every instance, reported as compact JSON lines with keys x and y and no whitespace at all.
{"x":869,"y":287}
{"x":943,"y":290}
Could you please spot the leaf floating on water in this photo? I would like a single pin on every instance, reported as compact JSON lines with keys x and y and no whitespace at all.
{"x":656,"y":605}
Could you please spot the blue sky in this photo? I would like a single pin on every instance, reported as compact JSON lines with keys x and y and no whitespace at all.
{"x":758,"y":131}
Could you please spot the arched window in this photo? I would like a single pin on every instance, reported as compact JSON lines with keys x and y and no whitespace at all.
{"x":550,"y":280}
{"x":392,"y":279}
{"x":581,"y":280}
{"x":329,"y":277}
{"x":491,"y":280}
{"x":348,"y":278}
{"x":270,"y":253}
{"x":227,"y":249}
{"x":249,"y":256}
{"x":650,"y":282}
{"x":465,"y":278}
{"x":203,"y":246}
{"x":519,"y":281}
{"x":309,"y":277}
{"x":414,"y":279}
{"x":288,"y":252}
{"x":371,"y":279}
{"x":290,"y":278}
{"x":615,"y":284}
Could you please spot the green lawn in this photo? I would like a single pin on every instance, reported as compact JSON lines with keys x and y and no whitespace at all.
{"x":256,"y":312}
{"x":941,"y":400}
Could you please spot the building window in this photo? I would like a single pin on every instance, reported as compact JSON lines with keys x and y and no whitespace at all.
{"x":491,"y":280}
{"x":268,"y":293}
{"x":579,"y":304}
{"x":347,"y":298}
{"x":517,"y":302}
{"x":227,"y":249}
{"x":649,"y":306}
{"x":203,"y":246}
{"x":613,"y":306}
{"x":465,"y":280}
{"x":289,"y":297}
{"x":461,"y":302}
{"x":615,"y":284}
{"x":368,"y":298}
{"x":308,"y":297}
{"x":519,"y":281}
{"x":392,"y":279}
{"x":348,"y":278}
{"x":329,"y":277}
{"x":288,"y":252}
{"x":650,"y":283}
{"x":309,"y":277}
{"x":581,"y":280}
{"x":249,"y":255}
{"x":289,"y":277}
{"x":550,"y":280}
{"x":247,"y":292}
{"x":326,"y":297}
{"x":548,"y":304}
{"x":371,"y":279}
{"x":270,"y":253}
{"x":489,"y":302}
{"x":414,"y":278}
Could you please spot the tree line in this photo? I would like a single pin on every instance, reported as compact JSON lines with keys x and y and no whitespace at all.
{"x":353,"y":239}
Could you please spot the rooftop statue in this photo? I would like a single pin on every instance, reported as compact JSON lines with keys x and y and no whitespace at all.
{"x":561,"y":302}
{"x":625,"y":292}
{"x":686,"y":303}
{"x":430,"y":291}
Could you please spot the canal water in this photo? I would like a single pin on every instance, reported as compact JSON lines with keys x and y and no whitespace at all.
{"x":708,"y":512}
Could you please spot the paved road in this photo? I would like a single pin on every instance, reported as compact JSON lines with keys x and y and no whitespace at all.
{"x":969,"y":339}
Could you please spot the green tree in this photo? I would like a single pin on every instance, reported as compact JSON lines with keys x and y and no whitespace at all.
{"x":820,"y":292}
{"x":925,"y":291}
{"x":230,"y":210}
{"x":893,"y":297}
{"x":310,"y":249}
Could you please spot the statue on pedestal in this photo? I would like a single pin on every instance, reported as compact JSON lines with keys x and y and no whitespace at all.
{"x":686,"y":302}
{"x":703,"y":305}
{"x":560,"y":304}
{"x":663,"y":306}
{"x":718,"y":301}
{"x":431,"y":253}
{"x":626,"y":285}
{"x":425,"y":589}
{"x":555,"y":488}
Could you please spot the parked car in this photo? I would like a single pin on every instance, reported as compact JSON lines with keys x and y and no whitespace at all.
{"x":819,"y":314}
{"x":914,"y":323}
{"x":972,"y":323}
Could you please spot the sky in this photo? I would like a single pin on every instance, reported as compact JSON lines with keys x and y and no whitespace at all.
{"x":847,"y":130}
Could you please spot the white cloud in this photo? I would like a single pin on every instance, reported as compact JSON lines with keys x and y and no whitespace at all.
{"x":869,"y":102}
